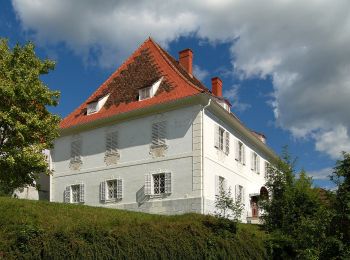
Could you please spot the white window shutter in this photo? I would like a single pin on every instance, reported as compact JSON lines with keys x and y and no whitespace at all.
{"x":112,"y":142}
{"x":67,"y":195}
{"x":236,"y":192}
{"x":243,"y":195}
{"x":167,"y":176}
{"x":162,"y":133}
{"x":225,"y":185}
{"x":237,"y":150}
{"x":82,"y":193}
{"x":76,"y":150}
{"x":103,"y":191}
{"x":217,"y":185}
{"x":159,"y":133}
{"x":252,"y":160}
{"x":227,"y":142}
{"x":243,"y":154}
{"x":258,"y":164}
{"x":217,"y":136}
{"x":148,"y":184}
{"x":119,"y":189}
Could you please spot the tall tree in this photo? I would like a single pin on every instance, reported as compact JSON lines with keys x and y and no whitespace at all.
{"x":341,"y":176}
{"x":26,"y":125}
{"x":294,"y":214}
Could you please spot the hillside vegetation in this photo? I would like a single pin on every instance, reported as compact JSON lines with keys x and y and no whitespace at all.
{"x":43,"y":230}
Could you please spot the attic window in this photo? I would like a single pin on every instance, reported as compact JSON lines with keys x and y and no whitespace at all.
{"x":149,"y":92}
{"x":94,"y":107}
{"x":144,"y":93}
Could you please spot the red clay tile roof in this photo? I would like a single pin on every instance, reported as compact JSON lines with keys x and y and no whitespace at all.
{"x":144,"y":67}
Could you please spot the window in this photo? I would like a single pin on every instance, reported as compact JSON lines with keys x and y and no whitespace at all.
{"x":92,"y":108}
{"x":74,"y":193}
{"x":255,"y":161}
{"x":267,"y":167}
{"x":158,"y":184}
{"x":158,"y":134}
{"x":240,"y":152}
{"x":95,"y":106}
{"x":111,"y":190}
{"x":144,"y":93}
{"x":112,"y":143}
{"x":239,"y":192}
{"x":149,"y":92}
{"x":222,"y":139}
{"x":75,"y":152}
{"x":220,"y":185}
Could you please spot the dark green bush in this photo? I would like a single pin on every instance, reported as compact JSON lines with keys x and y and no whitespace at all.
{"x":42,"y":230}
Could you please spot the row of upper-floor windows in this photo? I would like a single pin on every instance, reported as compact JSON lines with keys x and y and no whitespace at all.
{"x":222,"y":142}
{"x":158,"y":139}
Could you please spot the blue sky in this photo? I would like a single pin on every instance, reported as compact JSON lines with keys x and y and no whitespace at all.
{"x":281,"y":62}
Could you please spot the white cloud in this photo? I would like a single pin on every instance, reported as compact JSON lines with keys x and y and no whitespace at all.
{"x":322,"y":174}
{"x":232,"y":95}
{"x":303,"y":45}
{"x":200,"y":73}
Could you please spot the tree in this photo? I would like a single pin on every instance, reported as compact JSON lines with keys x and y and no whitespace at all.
{"x":227,"y":207}
{"x":341,"y":221}
{"x":26,"y":125}
{"x":294,"y":214}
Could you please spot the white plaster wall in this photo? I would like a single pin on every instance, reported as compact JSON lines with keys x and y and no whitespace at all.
{"x":217,"y":162}
{"x":134,"y":139}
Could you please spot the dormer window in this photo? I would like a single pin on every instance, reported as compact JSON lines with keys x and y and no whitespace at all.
{"x":224,"y":104}
{"x":149,"y":92}
{"x":144,"y":93}
{"x":94,"y":107}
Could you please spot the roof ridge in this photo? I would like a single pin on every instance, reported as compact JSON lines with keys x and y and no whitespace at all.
{"x":173,"y":67}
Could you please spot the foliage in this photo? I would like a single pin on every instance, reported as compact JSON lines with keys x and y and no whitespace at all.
{"x":294,"y":215}
{"x":42,"y":230}
{"x":26,"y":126}
{"x":227,"y":207}
{"x":338,"y":243}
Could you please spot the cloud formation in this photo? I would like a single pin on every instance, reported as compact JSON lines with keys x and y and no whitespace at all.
{"x":232,"y":95}
{"x":322,"y":174}
{"x":302,"y":45}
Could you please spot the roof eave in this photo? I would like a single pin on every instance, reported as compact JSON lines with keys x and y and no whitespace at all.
{"x":133,"y":114}
{"x":236,"y":124}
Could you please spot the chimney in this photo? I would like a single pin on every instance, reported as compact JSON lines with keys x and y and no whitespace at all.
{"x":185,"y":59}
{"x":216,"y":86}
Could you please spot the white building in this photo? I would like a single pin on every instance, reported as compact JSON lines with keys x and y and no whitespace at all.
{"x":152,"y":138}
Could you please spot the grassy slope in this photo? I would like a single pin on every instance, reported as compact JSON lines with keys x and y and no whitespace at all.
{"x":36,"y":229}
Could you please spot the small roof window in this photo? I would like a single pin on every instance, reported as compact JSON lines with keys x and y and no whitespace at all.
{"x":149,"y":92}
{"x":94,"y":107}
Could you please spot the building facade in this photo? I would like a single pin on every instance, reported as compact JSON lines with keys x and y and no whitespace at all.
{"x":152,"y":138}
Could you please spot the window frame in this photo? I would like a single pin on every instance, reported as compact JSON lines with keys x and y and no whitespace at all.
{"x":222,"y":139}
{"x":255,"y":162}
{"x":144,"y":93}
{"x":149,"y":189}
{"x":118,"y":190}
{"x":240,"y":150}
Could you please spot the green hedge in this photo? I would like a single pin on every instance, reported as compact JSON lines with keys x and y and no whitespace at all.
{"x":42,"y":230}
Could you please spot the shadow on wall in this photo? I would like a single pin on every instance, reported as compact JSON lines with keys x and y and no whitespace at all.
{"x":140,"y":196}
{"x":135,"y":133}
